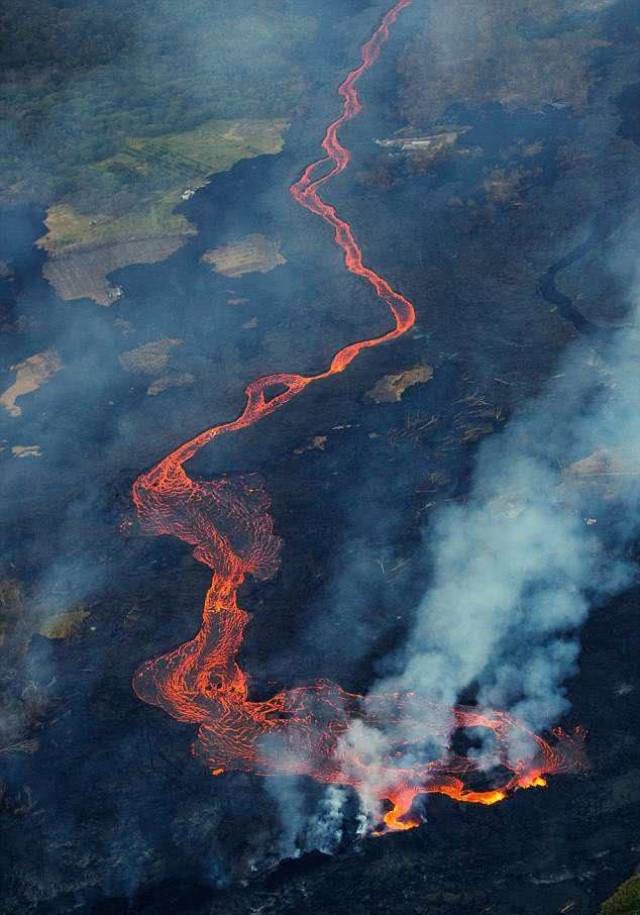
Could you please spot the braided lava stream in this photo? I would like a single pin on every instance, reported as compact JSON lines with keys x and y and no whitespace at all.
{"x":304,"y":730}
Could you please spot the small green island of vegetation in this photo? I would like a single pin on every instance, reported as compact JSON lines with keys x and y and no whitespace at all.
{"x":625,"y":900}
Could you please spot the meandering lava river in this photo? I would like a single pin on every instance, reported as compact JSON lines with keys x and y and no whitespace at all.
{"x":305,"y":730}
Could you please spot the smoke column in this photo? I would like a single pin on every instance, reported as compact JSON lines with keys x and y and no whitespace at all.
{"x":541,"y":538}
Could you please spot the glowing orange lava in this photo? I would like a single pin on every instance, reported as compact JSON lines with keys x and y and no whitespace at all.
{"x":227,"y":522}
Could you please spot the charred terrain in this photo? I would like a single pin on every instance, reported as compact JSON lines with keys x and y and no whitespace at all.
{"x":454,"y":275}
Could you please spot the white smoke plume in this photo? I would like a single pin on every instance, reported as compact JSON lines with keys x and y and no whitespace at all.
{"x":302,"y":829}
{"x":326,"y":830}
{"x":540,"y":540}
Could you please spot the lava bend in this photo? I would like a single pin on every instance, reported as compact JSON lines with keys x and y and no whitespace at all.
{"x":227,"y":522}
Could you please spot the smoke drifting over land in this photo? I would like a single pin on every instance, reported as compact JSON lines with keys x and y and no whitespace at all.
{"x":539,"y":541}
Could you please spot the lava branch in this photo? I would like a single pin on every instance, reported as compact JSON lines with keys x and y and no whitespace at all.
{"x":305,"y":730}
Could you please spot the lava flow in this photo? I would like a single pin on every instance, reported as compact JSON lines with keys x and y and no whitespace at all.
{"x":306,"y":730}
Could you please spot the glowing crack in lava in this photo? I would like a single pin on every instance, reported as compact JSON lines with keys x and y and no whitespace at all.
{"x":305,"y":730}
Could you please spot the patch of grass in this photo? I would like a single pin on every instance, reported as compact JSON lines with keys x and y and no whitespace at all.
{"x":625,"y":900}
{"x":64,"y":625}
{"x":132,"y":194}
{"x":69,"y":230}
{"x":214,"y":146}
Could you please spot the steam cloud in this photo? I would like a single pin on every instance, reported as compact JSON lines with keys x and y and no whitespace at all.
{"x":301,"y":830}
{"x":538,"y":542}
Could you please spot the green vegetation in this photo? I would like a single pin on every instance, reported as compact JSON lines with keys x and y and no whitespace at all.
{"x":64,"y":625}
{"x":625,"y":900}
{"x":110,"y":109}
{"x":132,"y":194}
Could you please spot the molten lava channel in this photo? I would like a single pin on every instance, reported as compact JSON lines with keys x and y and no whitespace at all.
{"x":227,"y":522}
